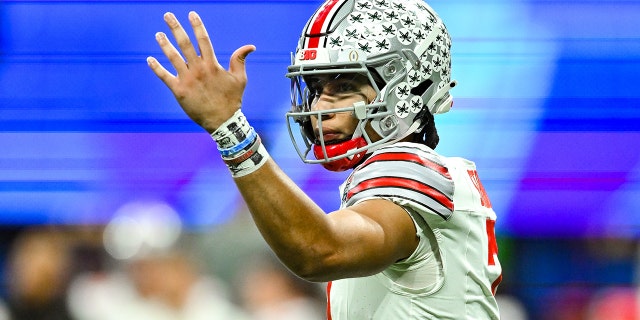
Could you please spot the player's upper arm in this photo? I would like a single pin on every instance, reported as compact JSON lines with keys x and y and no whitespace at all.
{"x":365,"y":239}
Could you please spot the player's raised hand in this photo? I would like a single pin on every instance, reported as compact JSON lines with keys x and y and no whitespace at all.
{"x":207,"y":92}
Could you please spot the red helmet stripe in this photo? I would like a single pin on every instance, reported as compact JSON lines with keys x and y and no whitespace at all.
{"x":318,"y":25}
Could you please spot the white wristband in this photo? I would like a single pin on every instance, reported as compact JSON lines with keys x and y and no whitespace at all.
{"x":240,"y":146}
{"x":232,"y":132}
{"x":253,"y":163}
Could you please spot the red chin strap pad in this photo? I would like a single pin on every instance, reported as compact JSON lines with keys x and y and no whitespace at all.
{"x":338,"y":149}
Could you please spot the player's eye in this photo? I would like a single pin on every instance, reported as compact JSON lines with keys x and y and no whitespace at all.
{"x":339,"y":87}
{"x":346,"y":87}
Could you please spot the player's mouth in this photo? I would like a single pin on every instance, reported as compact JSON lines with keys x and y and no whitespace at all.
{"x":331,"y":137}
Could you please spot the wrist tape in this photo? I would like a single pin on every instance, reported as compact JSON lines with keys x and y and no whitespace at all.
{"x":240,"y":146}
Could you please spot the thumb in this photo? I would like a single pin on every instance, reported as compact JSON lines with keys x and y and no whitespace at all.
{"x":237,"y":62}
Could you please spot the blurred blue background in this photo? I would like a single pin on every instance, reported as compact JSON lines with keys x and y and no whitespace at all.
{"x":547,"y":106}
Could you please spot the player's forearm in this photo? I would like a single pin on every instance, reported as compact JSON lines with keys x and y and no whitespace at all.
{"x":296,"y":229}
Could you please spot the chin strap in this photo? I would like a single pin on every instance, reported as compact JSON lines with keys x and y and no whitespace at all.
{"x":338,"y":149}
{"x":353,"y":160}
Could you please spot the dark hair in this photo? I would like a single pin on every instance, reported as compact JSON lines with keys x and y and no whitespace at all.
{"x":429,"y":134}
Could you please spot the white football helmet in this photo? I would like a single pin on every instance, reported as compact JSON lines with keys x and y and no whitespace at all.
{"x":401,"y":46}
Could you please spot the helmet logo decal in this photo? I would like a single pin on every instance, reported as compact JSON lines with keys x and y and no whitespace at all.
{"x":374,"y":16}
{"x":431,"y":50}
{"x":419,"y":35}
{"x":382,"y":3}
{"x":437,"y":63}
{"x":414,"y":78}
{"x":351,"y":33}
{"x":364,"y":5}
{"x":399,"y":6}
{"x":426,"y":70}
{"x":402,"y":91}
{"x":308,"y":54}
{"x":427,"y":27}
{"x":353,"y":55}
{"x":336,"y":42}
{"x":407,"y":21}
{"x":391,"y":15}
{"x":356,"y":18}
{"x":402,"y":109}
{"x":364,"y":46}
{"x":383,"y":45}
{"x":416,"y":104}
{"x":405,"y":36}
{"x":389,"y":30}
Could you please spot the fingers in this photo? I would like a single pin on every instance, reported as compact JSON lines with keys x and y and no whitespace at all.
{"x":202,"y":37}
{"x":171,"y":52}
{"x":160,"y":71}
{"x":182,"y":39}
{"x":237,"y":64}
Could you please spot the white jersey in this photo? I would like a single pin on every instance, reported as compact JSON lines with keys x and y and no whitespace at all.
{"x":455,"y":269}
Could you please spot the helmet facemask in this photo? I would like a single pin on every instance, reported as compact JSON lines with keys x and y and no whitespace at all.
{"x":339,"y":84}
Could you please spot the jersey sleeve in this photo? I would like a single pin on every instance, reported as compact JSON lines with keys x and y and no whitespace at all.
{"x":411,"y":175}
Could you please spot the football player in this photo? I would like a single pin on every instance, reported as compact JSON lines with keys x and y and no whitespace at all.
{"x":414,"y":237}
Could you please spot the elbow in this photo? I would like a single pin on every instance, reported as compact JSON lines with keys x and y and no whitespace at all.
{"x":313,"y":268}
{"x":333,"y":266}
{"x":312,"y":271}
{"x":313,"y":274}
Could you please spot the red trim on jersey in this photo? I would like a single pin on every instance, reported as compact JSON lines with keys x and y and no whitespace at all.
{"x":493,"y":245}
{"x":484,"y":198}
{"x":329,"y":300}
{"x":403,"y":183}
{"x":316,"y":26}
{"x":493,"y":252}
{"x":494,"y":285}
{"x":405,"y":156}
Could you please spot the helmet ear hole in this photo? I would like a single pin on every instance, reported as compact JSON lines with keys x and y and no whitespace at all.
{"x":420,"y":89}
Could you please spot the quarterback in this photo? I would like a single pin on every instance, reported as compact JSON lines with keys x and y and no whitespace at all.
{"x":414,"y":237}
